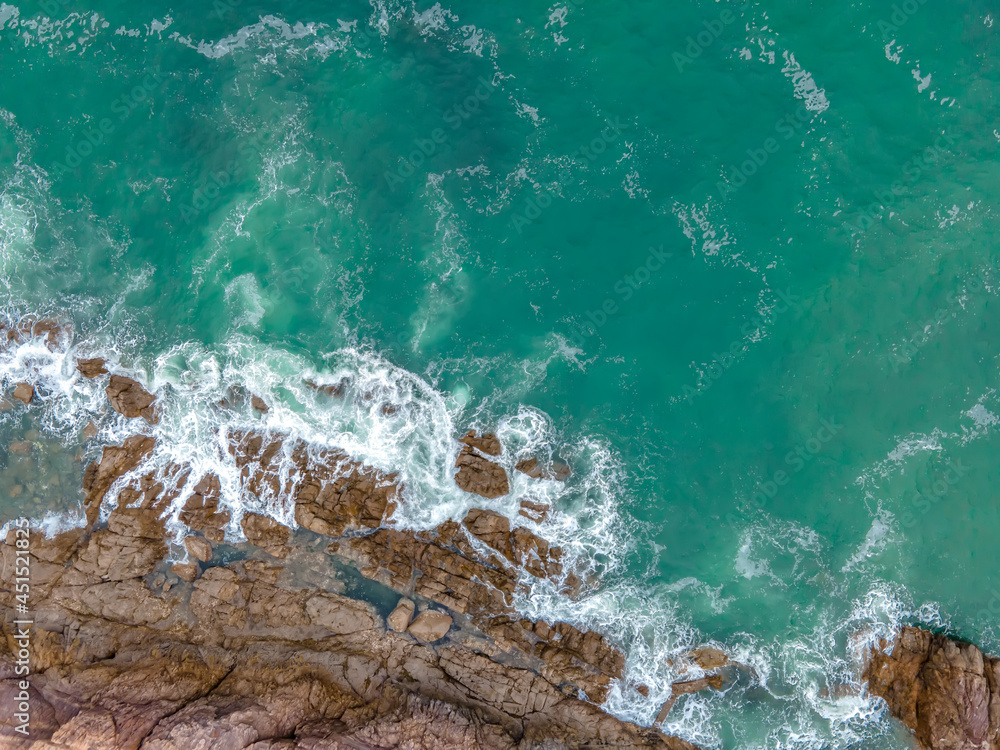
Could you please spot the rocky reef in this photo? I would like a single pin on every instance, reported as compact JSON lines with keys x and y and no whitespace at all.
{"x":346,"y":632}
{"x":946,"y":691}
{"x":140,"y":641}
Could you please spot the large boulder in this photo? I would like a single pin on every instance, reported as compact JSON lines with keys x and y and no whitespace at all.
{"x":480,"y":475}
{"x":430,"y":626}
{"x":946,"y":691}
{"x":24,"y":393}
{"x":130,"y":399}
{"x":399,"y":618}
{"x":91,"y":368}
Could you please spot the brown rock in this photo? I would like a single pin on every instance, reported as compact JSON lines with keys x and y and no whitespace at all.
{"x":491,"y":528}
{"x":258,"y":404}
{"x":330,"y":389}
{"x":535,"y":470}
{"x":946,"y":691}
{"x":678,"y":689}
{"x":55,"y":334}
{"x":708,"y":658}
{"x":430,"y":626}
{"x":266,"y":533}
{"x":530,"y":466}
{"x":91,"y":368}
{"x":24,"y":393}
{"x":90,"y":431}
{"x":399,"y":618}
{"x":201,"y":510}
{"x":185,"y":572}
{"x":533,"y":511}
{"x":130,"y":399}
{"x":480,"y":476}
{"x":332,"y":493}
{"x":198,"y":548}
{"x":255,"y":654}
{"x":116,"y":460}
{"x":488,"y":443}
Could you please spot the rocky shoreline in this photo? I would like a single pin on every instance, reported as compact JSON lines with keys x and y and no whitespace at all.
{"x":257,"y":644}
{"x":347,"y":632}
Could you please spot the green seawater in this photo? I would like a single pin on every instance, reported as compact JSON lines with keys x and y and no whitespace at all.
{"x":735,"y":262}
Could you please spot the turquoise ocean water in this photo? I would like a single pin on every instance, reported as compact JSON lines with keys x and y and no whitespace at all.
{"x":733,"y":262}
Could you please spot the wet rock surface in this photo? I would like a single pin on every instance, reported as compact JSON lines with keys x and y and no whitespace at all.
{"x":130,"y":399}
{"x":487,"y":443}
{"x":480,"y":476}
{"x":241,"y":655}
{"x":24,"y":393}
{"x":138,"y":641}
{"x":91,"y":368}
{"x":946,"y":691}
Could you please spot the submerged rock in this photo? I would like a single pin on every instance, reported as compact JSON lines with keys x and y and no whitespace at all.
{"x":946,"y":691}
{"x":330,"y":389}
{"x":24,"y":393}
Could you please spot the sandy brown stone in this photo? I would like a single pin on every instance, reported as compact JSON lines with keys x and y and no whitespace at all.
{"x":91,"y":368}
{"x":399,"y":618}
{"x":480,"y":476}
{"x":533,"y":511}
{"x":259,"y":405}
{"x":198,"y":548}
{"x":430,"y":626}
{"x":116,"y":460}
{"x":487,"y":443}
{"x":530,"y":466}
{"x":185,"y":571}
{"x":708,"y":658}
{"x":946,"y":691}
{"x":130,"y":399}
{"x":266,"y":533}
{"x":201,"y":510}
{"x":24,"y":393}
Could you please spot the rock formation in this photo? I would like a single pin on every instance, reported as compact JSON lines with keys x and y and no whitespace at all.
{"x":479,"y":475}
{"x":130,"y":399}
{"x":91,"y":368}
{"x":946,"y":691}
{"x":24,"y":392}
{"x":487,"y":443}
{"x":138,"y":641}
{"x":127,"y":651}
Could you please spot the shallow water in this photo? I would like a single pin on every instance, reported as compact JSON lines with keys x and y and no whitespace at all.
{"x":749,"y":294}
